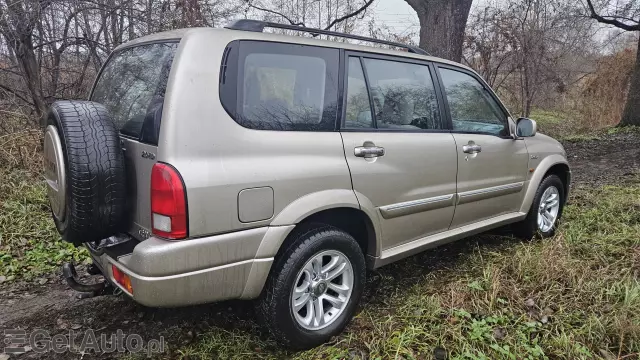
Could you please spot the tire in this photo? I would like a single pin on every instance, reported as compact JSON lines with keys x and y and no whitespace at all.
{"x":274,"y":306}
{"x":529,"y":227}
{"x":85,"y":171}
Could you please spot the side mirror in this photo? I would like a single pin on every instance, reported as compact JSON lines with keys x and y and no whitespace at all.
{"x":526,"y":127}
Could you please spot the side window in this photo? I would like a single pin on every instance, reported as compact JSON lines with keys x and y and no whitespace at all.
{"x":132,"y":86}
{"x":282,"y":87}
{"x":403,"y":95}
{"x":472,"y":108}
{"x":358,"y":109}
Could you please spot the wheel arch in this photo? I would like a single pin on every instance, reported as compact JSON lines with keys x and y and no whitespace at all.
{"x":554,"y":164}
{"x":340,"y":208}
{"x":564,"y":173}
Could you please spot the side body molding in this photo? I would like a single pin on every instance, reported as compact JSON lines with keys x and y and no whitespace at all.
{"x":416,"y":206}
{"x":537,"y":177}
{"x":486,"y":193}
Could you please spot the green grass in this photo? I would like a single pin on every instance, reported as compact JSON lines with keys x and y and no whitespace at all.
{"x":574,"y":296}
{"x":624,"y":130}
{"x":581,"y":137}
{"x":560,"y":125}
{"x":29,"y":243}
{"x":548,"y":117}
{"x":570,"y":126}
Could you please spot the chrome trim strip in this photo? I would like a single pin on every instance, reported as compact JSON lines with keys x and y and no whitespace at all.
{"x":486,"y":193}
{"x":415,"y":206}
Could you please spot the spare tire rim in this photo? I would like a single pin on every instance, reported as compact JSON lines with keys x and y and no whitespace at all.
{"x":54,"y":172}
{"x":322,"y":290}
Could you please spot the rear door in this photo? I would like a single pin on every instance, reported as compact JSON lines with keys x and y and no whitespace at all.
{"x":492,"y":166}
{"x":132,"y":86}
{"x":401,"y":156}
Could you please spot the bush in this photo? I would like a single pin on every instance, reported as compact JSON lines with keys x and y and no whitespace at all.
{"x":602,"y":95}
{"x":20,"y":143}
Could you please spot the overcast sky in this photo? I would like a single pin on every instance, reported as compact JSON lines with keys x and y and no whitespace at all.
{"x":400,"y":17}
{"x":402,"y":20}
{"x":397,"y":15}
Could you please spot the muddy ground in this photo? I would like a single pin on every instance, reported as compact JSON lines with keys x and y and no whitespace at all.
{"x":48,"y":304}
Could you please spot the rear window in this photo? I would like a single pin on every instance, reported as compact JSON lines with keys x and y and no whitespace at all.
{"x":132,"y":86}
{"x":275,"y":86}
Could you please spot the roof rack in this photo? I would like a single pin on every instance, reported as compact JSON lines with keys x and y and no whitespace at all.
{"x":258,"y":26}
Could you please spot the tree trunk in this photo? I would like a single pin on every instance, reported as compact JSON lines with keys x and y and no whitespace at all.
{"x":442,"y":26}
{"x":26,"y":57}
{"x":18,"y":32}
{"x":631,"y":114}
{"x":132,"y":33}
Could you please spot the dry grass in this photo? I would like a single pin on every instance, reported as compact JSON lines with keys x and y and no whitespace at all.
{"x":594,"y":104}
{"x":602,"y":95}
{"x":20,"y":142}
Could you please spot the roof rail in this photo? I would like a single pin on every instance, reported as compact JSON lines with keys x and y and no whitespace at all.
{"x":258,"y":26}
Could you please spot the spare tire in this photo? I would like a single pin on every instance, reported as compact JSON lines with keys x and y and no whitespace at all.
{"x":84,"y":171}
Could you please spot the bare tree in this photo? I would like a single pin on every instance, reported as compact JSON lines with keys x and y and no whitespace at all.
{"x":442,"y":26}
{"x":331,"y":14}
{"x":53,"y":49}
{"x":488,"y":46}
{"x":532,"y":51}
{"x":625,"y":16}
{"x":18,"y":22}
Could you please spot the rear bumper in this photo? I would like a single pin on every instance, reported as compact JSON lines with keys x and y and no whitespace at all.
{"x":179,"y":273}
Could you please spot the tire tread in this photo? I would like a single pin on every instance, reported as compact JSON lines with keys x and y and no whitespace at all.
{"x":275,"y":289}
{"x":96,"y":194}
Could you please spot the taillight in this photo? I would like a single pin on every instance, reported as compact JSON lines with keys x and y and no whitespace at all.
{"x":168,"y":203}
{"x":122,"y":279}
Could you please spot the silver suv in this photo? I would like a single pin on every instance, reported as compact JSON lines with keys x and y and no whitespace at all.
{"x":214,"y":164}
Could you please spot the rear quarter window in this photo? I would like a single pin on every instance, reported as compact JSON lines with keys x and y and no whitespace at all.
{"x":276,"y":86}
{"x":132,"y":86}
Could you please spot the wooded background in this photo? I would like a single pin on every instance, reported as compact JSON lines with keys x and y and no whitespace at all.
{"x":577,"y":58}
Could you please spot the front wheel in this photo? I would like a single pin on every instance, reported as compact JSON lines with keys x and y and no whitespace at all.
{"x":314,"y":287}
{"x":545,"y":211}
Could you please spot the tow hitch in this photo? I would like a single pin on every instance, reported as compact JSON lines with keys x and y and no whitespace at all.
{"x":86,"y":290}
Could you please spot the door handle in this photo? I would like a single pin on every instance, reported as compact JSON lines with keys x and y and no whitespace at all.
{"x":368,"y":151}
{"x":472,"y":149}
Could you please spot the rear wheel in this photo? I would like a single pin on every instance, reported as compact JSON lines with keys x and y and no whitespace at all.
{"x":314,"y":287}
{"x":545,"y":211}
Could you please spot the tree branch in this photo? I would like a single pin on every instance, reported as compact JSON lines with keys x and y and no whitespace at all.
{"x":611,"y":20}
{"x":276,"y":13}
{"x":68,"y":41}
{"x":15,"y":93}
{"x":345,"y":17}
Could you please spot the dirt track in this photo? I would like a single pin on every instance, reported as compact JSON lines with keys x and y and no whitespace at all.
{"x":613,"y":159}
